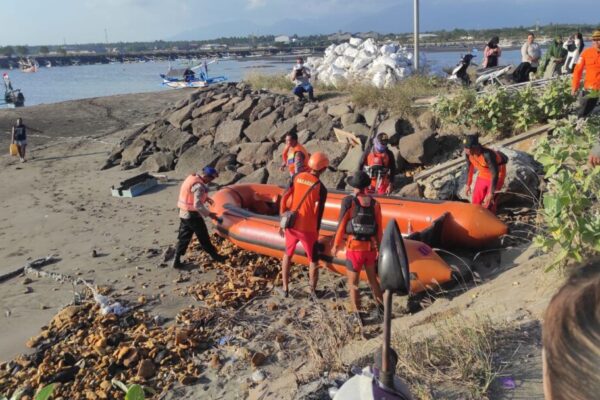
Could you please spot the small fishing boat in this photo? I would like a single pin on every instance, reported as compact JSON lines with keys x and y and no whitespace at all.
{"x":249,"y":218}
{"x":194,"y":77}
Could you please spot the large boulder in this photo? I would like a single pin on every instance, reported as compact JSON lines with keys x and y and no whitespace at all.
{"x":175,"y":140}
{"x":291,"y":109}
{"x":360,"y":130}
{"x":132,"y":154}
{"x":195,"y":158}
{"x":264,"y":103}
{"x":412,"y":190}
{"x":205,"y":123}
{"x":338,"y":110}
{"x":259,"y":130}
{"x":279,"y":131}
{"x":244,"y":108}
{"x":229,"y":132}
{"x":227,"y":178}
{"x":419,"y":147}
{"x":158,"y":162}
{"x":335,"y":180}
{"x":352,"y":159}
{"x":226,"y":163}
{"x":255,"y":153}
{"x":349,"y":119}
{"x":370,"y":115}
{"x":276,"y":175}
{"x":178,"y":117}
{"x":209,"y":107}
{"x":336,"y":151}
{"x":395,"y":127}
{"x":319,"y":123}
{"x":258,"y":176}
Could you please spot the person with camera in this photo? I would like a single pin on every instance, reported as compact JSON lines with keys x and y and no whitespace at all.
{"x":301,"y":78}
{"x":301,"y":210}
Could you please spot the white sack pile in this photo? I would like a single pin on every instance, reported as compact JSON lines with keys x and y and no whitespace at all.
{"x":362,"y":61}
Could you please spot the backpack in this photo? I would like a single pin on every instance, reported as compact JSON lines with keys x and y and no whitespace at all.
{"x":362,"y":224}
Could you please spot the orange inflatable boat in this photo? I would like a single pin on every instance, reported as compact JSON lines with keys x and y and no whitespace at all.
{"x":249,"y":217}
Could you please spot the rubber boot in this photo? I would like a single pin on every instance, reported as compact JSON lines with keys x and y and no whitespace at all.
{"x":176,"y":263}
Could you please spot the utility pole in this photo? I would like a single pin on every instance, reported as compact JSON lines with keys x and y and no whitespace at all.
{"x":416,"y":35}
{"x":106,"y":35}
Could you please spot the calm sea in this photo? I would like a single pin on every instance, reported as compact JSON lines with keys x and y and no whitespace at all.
{"x":51,"y":85}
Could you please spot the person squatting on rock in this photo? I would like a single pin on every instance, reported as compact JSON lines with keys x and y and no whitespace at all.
{"x":294,"y":155}
{"x":530,"y":58}
{"x":193,"y":195}
{"x":589,"y":61}
{"x":19,"y":137}
{"x":301,"y":78}
{"x":360,"y":219}
{"x":302,"y":207}
{"x":571,"y":338}
{"x":380,"y":165}
{"x":491,"y":172}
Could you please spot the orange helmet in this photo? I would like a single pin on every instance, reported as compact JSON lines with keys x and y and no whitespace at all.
{"x":318,"y":161}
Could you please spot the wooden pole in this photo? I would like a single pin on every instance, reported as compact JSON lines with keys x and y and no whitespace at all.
{"x":416,"y":35}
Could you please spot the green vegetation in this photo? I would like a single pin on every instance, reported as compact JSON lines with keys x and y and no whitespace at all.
{"x":134,"y":391}
{"x":570,"y":211}
{"x":43,"y":394}
{"x":269,"y":81}
{"x":503,"y":113}
{"x":461,"y":354}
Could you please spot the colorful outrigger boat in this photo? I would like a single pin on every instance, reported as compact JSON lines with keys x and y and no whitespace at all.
{"x":195,"y":77}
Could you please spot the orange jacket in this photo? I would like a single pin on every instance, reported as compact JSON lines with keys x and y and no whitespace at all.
{"x":311,"y":210}
{"x":186,"y":196}
{"x":346,"y":212}
{"x":289,"y":154}
{"x":485,"y":171}
{"x":590,"y":61}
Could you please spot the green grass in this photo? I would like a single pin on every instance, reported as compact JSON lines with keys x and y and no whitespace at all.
{"x":259,"y":80}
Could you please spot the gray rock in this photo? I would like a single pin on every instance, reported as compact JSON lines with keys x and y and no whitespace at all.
{"x":279,"y":131}
{"x":229,"y":132}
{"x":349,"y":119}
{"x":206,"y":140}
{"x":244,"y":108}
{"x":178,"y":117}
{"x":335,"y":151}
{"x":352,"y":159}
{"x":276,"y":176}
{"x":258,"y":131}
{"x":418,"y":148}
{"x":209,"y":107}
{"x":401,"y":163}
{"x":131,"y":155}
{"x":412,"y":190}
{"x":308,"y":107}
{"x":522,"y":183}
{"x":304,"y":136}
{"x":291,"y":109}
{"x":182,"y":103}
{"x":255,"y":153}
{"x":175,"y":140}
{"x":320,"y":124}
{"x":196,"y":158}
{"x":338,"y":110}
{"x":264,"y":112}
{"x":221,"y":96}
{"x":227,"y":162}
{"x":158,"y":162}
{"x":395,"y":127}
{"x":227,"y":178}
{"x":278,"y":152}
{"x":157,"y":129}
{"x":333,"y":179}
{"x":359,"y":130}
{"x":230,"y":105}
{"x":187,"y":126}
{"x":428,"y":121}
{"x":246,"y":169}
{"x":204,"y":123}
{"x":263,"y":104}
{"x":258,"y":176}
{"x":370,"y":115}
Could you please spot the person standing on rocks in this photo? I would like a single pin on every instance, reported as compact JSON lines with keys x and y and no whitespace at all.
{"x":380,"y":165}
{"x":294,"y":154}
{"x":19,"y":137}
{"x":193,"y":195}
{"x":360,"y":218}
{"x":302,"y":207}
{"x":491,"y":172}
{"x":301,"y":78}
{"x":589,"y":61}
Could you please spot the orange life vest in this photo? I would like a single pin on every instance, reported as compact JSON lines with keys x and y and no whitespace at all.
{"x":375,"y":159}
{"x":186,"y":197}
{"x":478,"y":161}
{"x":290,"y":152}
{"x":306,"y":219}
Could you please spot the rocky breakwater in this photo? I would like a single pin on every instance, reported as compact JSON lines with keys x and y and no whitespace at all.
{"x":241,"y":132}
{"x":379,"y":64}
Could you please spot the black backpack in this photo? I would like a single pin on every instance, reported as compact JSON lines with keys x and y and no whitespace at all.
{"x":362,"y":224}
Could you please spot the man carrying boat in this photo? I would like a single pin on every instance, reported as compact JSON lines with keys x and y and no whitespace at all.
{"x":491,"y":172}
{"x":301,"y":78}
{"x":380,"y":165}
{"x":193,"y":195}
{"x":589,"y":60}
{"x":360,"y":218}
{"x":294,"y":154}
{"x":302,"y":207}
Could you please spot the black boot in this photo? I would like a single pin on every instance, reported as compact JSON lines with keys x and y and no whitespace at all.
{"x":176,"y":263}
{"x":218,"y":257}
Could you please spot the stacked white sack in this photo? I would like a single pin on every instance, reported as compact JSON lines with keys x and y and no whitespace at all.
{"x":363,"y":62}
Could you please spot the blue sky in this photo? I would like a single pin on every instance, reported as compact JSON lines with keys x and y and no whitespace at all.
{"x":37,"y":22}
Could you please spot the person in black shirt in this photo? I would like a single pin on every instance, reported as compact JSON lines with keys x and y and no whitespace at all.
{"x":19,"y":137}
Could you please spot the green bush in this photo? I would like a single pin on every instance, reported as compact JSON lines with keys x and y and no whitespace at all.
{"x":570,"y":212}
{"x":269,"y":81}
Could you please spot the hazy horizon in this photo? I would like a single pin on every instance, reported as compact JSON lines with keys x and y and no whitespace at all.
{"x":38,"y":22}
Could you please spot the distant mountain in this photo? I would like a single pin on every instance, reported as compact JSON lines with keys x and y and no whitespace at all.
{"x":435,"y":15}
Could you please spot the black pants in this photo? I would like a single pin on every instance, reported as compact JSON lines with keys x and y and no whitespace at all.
{"x":187,"y":228}
{"x":586,"y":105}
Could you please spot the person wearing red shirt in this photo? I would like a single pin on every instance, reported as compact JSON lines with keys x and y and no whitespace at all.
{"x":589,"y":61}
{"x":380,"y":165}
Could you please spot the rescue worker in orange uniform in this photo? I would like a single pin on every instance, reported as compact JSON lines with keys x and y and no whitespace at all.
{"x":294,"y":155}
{"x":589,"y":60}
{"x":491,"y":172}
{"x":193,"y":195}
{"x":305,"y":197}
{"x":360,"y":219}
{"x":380,"y":165}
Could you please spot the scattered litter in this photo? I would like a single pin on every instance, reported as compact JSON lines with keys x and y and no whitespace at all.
{"x":258,"y":376}
{"x":508,"y":383}
{"x":225,"y":340}
{"x":134,"y":186}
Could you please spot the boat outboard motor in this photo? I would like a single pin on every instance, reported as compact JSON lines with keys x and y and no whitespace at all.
{"x":379,"y":382}
{"x":460,"y":71}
